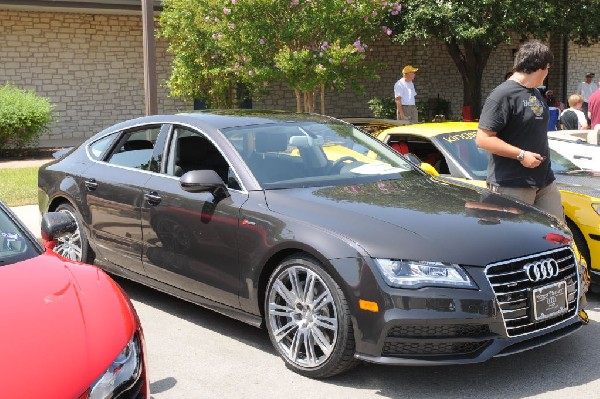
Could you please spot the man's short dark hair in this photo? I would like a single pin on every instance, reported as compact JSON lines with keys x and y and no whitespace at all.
{"x":532,"y":56}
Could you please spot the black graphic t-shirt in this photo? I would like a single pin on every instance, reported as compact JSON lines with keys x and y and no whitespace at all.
{"x":519,"y":116}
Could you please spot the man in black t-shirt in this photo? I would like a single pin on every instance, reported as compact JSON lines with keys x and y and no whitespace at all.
{"x":513,"y":128}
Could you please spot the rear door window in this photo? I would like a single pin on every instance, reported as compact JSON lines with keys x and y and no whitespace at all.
{"x":135,"y":148}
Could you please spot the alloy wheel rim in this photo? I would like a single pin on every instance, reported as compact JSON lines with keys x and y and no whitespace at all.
{"x":303,"y":317}
{"x":70,"y":245}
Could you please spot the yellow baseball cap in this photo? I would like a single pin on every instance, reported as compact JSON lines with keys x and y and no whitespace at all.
{"x":408,"y":69}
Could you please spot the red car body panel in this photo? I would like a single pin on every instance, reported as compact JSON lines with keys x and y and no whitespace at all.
{"x":62,"y":321}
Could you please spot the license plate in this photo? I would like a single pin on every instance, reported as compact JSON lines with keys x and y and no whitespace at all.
{"x":550,"y":301}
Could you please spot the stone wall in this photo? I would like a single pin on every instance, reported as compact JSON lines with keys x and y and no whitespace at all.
{"x":438,"y":77}
{"x":90,"y":66}
{"x":582,"y":60}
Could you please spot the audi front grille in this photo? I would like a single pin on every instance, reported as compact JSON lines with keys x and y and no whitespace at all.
{"x":516,"y":282}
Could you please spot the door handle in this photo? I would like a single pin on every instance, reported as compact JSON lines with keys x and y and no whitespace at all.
{"x":152,"y":198}
{"x":582,"y":157}
{"x":91,"y":184}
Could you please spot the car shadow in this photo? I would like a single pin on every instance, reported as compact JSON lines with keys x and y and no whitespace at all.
{"x":569,"y":362}
{"x":214,"y":321}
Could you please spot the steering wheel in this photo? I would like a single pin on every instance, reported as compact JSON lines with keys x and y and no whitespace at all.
{"x":338,"y":162}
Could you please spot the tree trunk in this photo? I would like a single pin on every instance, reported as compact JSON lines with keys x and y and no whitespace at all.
{"x":322,"y":99}
{"x":298,"y":100}
{"x":471,"y":58}
{"x":309,"y":101}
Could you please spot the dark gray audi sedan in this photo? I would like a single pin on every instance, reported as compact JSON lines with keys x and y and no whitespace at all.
{"x":339,"y":246}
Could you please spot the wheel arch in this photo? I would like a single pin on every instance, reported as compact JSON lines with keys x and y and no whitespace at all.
{"x":278,"y":256}
{"x":579,"y":238}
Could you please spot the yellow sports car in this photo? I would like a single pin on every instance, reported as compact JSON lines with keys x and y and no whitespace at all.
{"x":450,"y":148}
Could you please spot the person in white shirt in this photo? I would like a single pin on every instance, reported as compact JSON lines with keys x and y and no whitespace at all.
{"x":404,"y":93}
{"x":585,"y":89}
{"x":573,"y":118}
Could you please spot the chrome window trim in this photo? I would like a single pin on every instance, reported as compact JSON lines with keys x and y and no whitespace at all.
{"x":133,"y":127}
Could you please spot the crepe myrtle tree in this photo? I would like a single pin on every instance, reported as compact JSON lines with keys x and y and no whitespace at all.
{"x":311,"y":45}
{"x":472,"y":29}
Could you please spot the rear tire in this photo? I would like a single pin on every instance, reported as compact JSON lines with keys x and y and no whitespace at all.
{"x":308,"y":319}
{"x":74,"y":246}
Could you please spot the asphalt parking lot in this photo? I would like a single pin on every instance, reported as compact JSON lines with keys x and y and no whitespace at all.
{"x":197,"y":353}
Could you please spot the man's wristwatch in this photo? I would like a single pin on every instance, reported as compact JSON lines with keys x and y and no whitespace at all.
{"x":521,"y":156}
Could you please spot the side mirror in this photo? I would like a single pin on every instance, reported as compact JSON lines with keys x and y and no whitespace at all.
{"x":199,"y":181}
{"x":56,"y":225}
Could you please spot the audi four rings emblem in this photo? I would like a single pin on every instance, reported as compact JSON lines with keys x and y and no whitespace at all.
{"x":541,"y":270}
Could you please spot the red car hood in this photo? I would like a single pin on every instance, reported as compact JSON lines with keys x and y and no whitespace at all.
{"x":63,"y":324}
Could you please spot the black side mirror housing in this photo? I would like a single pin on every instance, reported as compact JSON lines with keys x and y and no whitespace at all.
{"x":56,"y":225}
{"x":199,"y":181}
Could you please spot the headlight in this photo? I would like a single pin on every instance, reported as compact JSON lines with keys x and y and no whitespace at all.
{"x":416,"y":274}
{"x":596,"y":208}
{"x":121,"y":374}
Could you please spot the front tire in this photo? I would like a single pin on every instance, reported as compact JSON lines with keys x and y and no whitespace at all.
{"x":308,"y":319}
{"x":74,"y":246}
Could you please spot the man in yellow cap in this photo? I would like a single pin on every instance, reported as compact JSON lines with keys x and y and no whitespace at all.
{"x":404,"y":92}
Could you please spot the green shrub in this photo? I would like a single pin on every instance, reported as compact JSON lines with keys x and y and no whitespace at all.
{"x":384,"y":108}
{"x":24,"y":116}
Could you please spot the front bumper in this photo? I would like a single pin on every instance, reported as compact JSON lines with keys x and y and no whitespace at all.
{"x":432,"y":326}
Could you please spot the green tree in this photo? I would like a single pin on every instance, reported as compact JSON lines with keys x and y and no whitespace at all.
{"x":472,"y":29}
{"x":312,"y":45}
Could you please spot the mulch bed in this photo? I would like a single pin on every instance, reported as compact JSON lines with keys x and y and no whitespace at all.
{"x":13,"y":154}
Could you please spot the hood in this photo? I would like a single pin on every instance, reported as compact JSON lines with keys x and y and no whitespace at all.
{"x":417,"y":218}
{"x":579,"y":181}
{"x":64,"y":323}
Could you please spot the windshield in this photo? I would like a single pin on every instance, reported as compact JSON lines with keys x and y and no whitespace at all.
{"x":309,"y":154}
{"x":14,"y":245}
{"x":462,"y":147}
{"x":464,"y":150}
{"x":561,"y":164}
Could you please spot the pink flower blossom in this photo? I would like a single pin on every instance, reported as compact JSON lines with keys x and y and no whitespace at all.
{"x":387,"y":30}
{"x":250,"y":73}
{"x":295,"y":2}
{"x":233,"y":1}
{"x":226,"y":11}
{"x":359,"y":46}
{"x":344,"y":59}
{"x":262,"y":41}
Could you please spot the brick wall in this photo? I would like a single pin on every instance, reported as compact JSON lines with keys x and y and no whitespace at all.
{"x":437,"y":77}
{"x":90,"y":66}
{"x":581,"y":61}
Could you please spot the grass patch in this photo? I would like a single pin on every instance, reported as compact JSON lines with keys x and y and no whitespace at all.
{"x":18,"y":186}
